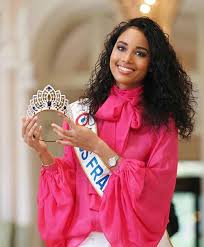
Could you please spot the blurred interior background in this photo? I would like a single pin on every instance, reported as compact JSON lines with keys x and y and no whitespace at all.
{"x":57,"y":42}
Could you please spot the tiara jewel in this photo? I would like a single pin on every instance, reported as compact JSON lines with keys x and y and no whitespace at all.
{"x":49,"y":99}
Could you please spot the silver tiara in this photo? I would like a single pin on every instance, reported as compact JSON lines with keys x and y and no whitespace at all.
{"x":49,"y":99}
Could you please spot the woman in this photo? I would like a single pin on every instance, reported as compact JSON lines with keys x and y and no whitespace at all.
{"x":141,"y":99}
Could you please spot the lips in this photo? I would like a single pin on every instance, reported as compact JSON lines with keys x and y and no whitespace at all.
{"x":125,"y":69}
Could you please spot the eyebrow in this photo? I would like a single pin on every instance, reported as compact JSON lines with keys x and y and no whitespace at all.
{"x":138,"y":47}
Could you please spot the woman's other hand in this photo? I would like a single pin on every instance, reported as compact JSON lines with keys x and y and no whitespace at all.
{"x":77,"y":136}
{"x":83,"y":137}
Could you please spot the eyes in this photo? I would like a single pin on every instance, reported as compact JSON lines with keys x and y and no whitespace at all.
{"x":137,"y":52}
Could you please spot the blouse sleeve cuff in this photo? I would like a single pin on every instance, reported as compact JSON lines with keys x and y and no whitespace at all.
{"x":52,"y":167}
{"x":124,"y":164}
{"x":118,"y":167}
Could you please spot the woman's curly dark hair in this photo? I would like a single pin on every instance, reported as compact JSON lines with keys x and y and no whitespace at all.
{"x":168,"y":90}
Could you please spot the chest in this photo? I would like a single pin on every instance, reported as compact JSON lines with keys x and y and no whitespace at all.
{"x":126,"y":141}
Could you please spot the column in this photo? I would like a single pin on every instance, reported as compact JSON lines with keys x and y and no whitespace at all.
{"x":24,"y":172}
{"x":7,"y":143}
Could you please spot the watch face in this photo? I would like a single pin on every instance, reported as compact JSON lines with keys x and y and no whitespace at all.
{"x":113,"y":161}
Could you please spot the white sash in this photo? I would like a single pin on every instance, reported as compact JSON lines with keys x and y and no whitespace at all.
{"x":95,"y":169}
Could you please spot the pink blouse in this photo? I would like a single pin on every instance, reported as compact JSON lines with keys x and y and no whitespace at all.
{"x":134,"y":209}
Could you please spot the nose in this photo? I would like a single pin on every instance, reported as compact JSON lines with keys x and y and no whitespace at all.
{"x":127,"y":57}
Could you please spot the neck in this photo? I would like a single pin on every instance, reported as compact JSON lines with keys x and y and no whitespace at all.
{"x":126,"y":87}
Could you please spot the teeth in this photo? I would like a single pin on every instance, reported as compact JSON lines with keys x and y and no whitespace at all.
{"x":124,"y":69}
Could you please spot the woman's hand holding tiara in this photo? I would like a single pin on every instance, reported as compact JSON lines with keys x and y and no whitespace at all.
{"x":31,"y":134}
{"x":76,"y":136}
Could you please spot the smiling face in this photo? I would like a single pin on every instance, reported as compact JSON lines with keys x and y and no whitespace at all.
{"x":130,"y":59}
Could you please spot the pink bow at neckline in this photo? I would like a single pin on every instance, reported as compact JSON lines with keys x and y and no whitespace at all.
{"x":122,"y":102}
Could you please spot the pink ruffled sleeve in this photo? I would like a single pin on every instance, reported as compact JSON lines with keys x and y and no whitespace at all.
{"x":56,"y":197}
{"x":136,"y":202}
